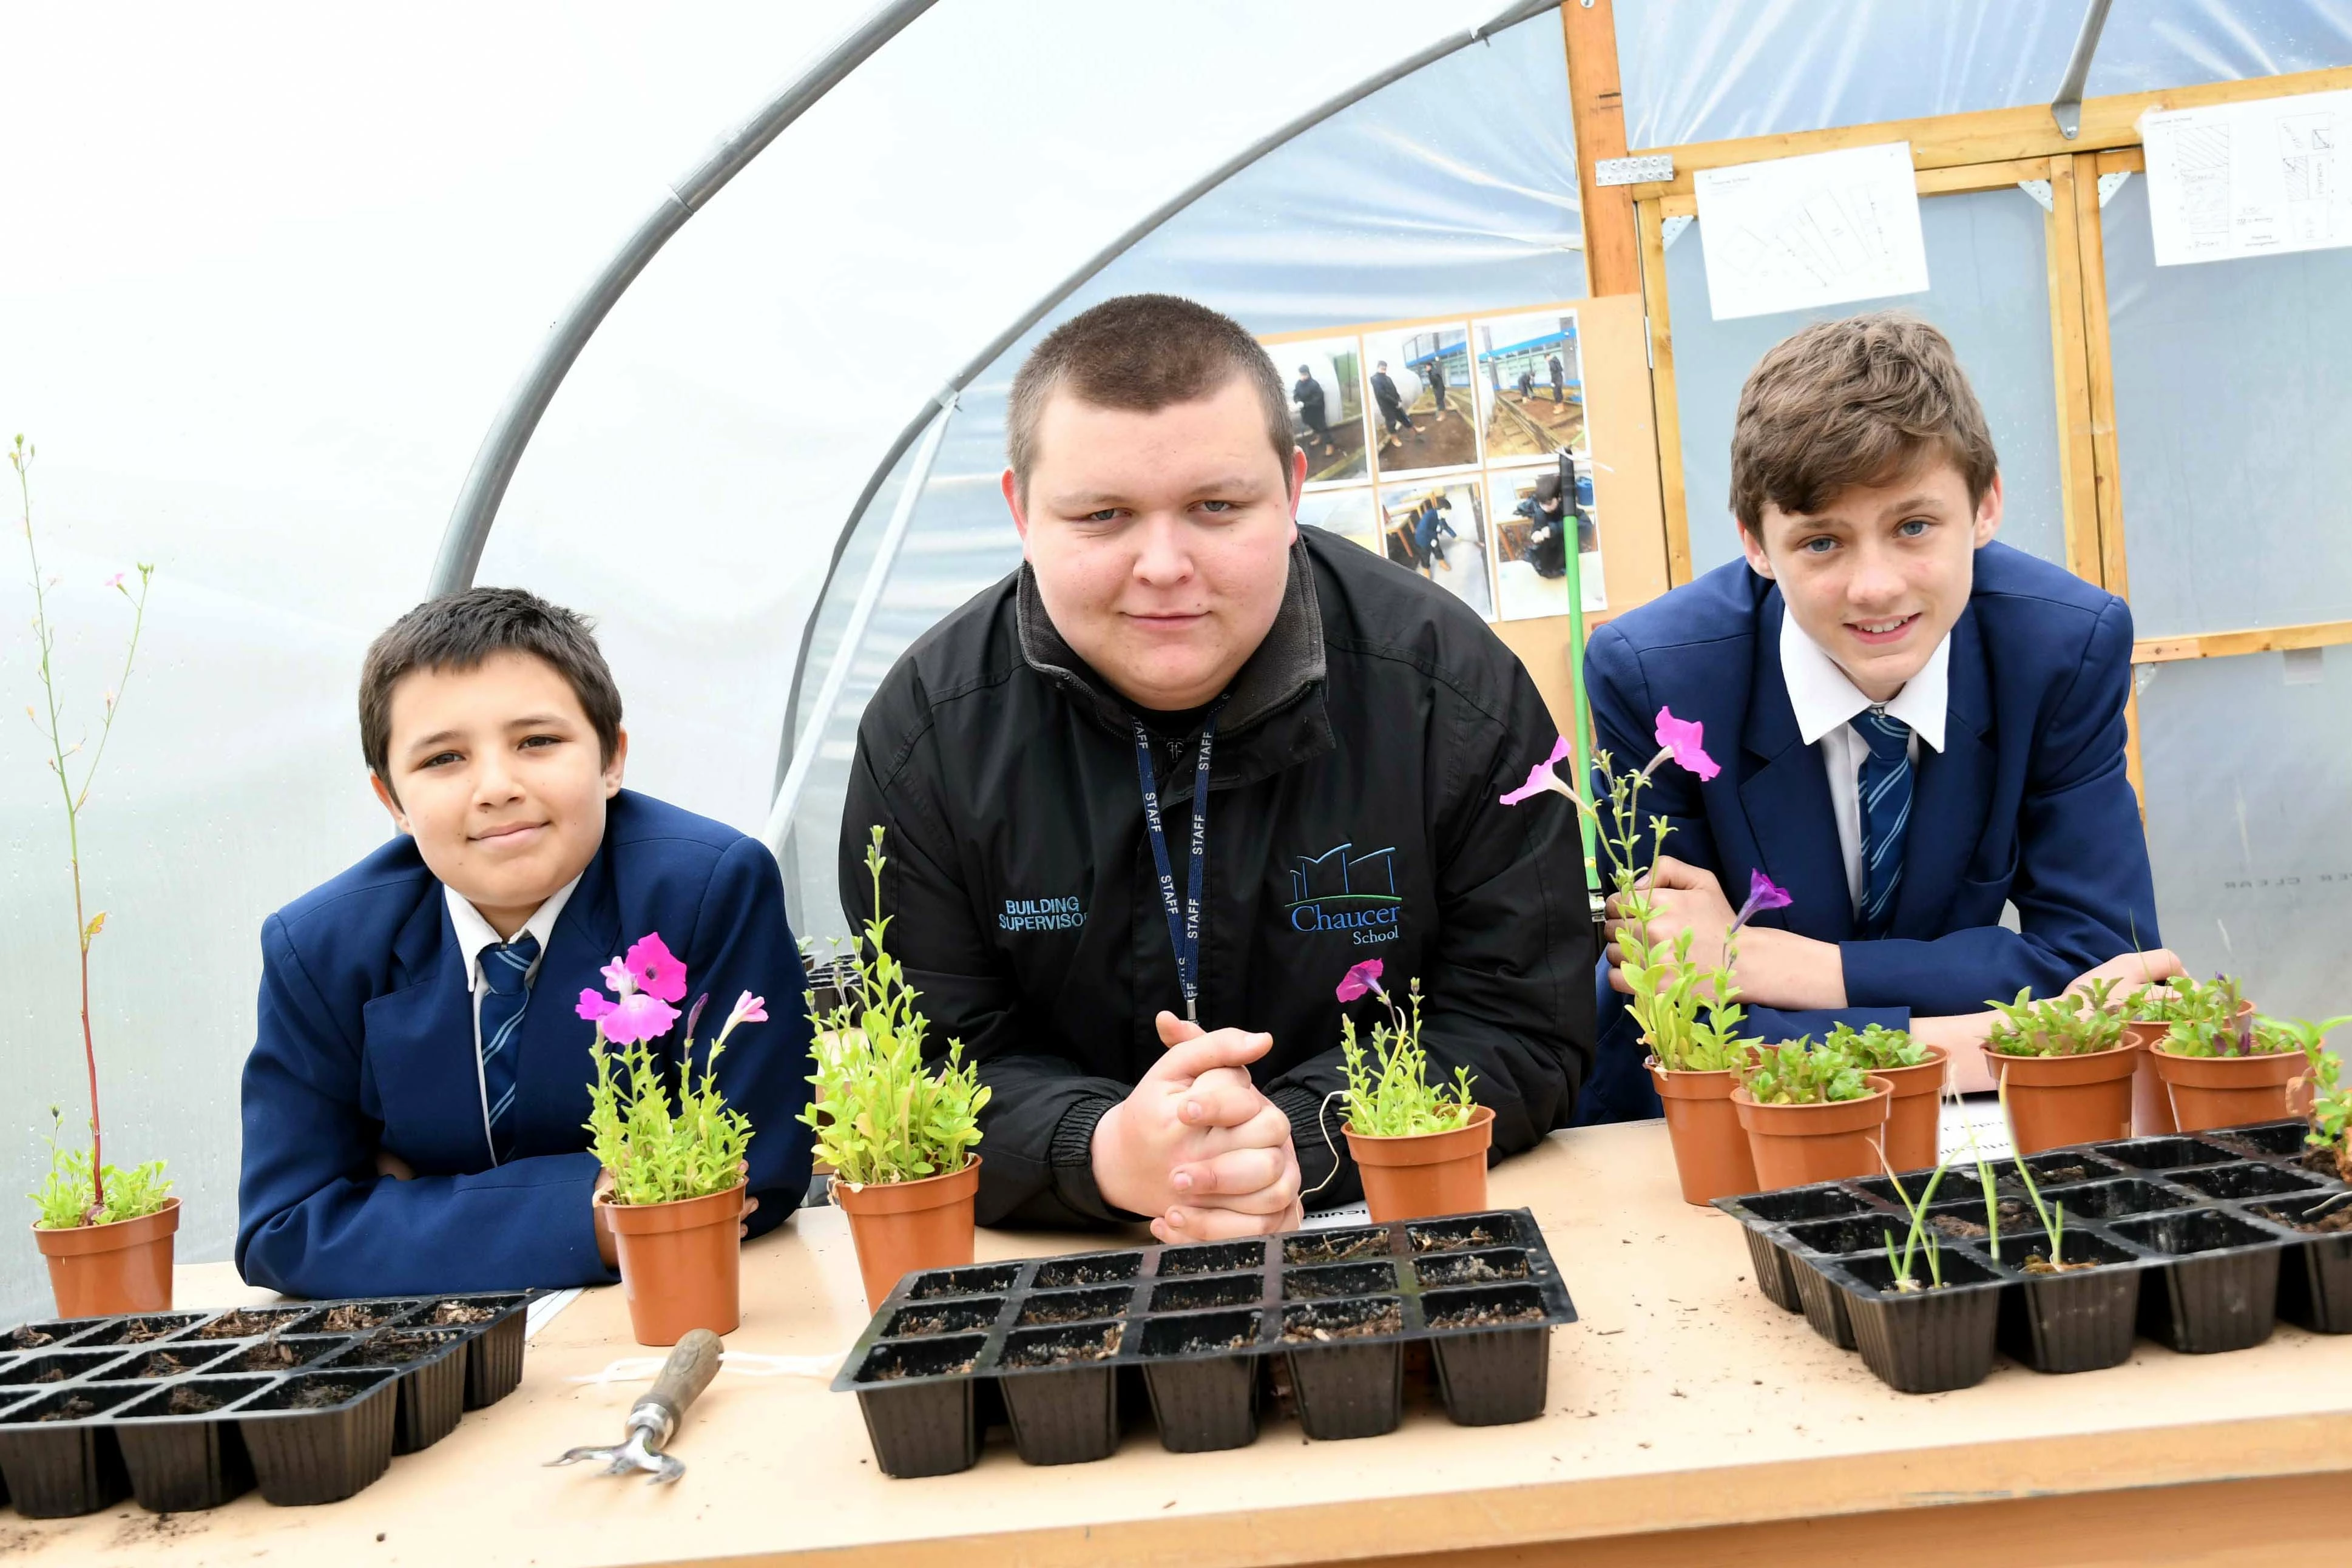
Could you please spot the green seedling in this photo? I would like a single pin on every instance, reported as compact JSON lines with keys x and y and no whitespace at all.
{"x":2076,"y":1024}
{"x":1920,"y":1231}
{"x":1799,"y":1072}
{"x":1878,"y":1047}
{"x":67,"y":1197}
{"x":1388,"y":1094}
{"x":2052,"y":1215}
{"x":2331,"y":1101}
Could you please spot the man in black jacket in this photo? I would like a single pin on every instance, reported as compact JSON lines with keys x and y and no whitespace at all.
{"x":1150,"y":998}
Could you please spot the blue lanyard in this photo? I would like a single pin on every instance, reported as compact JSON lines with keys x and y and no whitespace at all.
{"x":1184,"y":919}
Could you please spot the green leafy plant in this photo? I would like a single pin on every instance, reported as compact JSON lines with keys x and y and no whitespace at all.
{"x":879,"y":1116}
{"x":69,"y":1198}
{"x":1388,"y":1094}
{"x":2206,"y":1018}
{"x":2077,"y":1024}
{"x":659,"y":1152}
{"x":1878,"y":1047}
{"x":2331,"y":1098}
{"x":96,"y":1172}
{"x":1798,"y":1072}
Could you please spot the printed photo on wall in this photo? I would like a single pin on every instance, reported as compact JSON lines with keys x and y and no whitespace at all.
{"x":1346,"y":512}
{"x":1327,"y":405}
{"x":1530,"y":385}
{"x":1438,"y":528}
{"x":1421,"y":407}
{"x":1532,"y":528}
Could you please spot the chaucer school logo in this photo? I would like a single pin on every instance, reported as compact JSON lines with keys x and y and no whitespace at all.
{"x":1341,"y":890}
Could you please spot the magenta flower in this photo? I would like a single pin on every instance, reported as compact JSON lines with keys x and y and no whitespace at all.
{"x":1362,"y":980}
{"x":656,"y":970}
{"x":1541,"y":777}
{"x":635,"y":1016}
{"x":113,"y":582}
{"x":749,"y":1009}
{"x":1681,"y":739}
{"x":1763,"y":894}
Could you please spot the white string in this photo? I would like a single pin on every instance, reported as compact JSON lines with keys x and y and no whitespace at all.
{"x":1324,"y":1129}
{"x":643,"y":1368}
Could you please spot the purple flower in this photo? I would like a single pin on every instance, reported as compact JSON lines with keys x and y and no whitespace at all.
{"x":1540,"y":778}
{"x":1362,"y":980}
{"x":1763,"y":894}
{"x":1681,"y":739}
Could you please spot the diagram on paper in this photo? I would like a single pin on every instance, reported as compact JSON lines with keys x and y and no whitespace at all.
{"x":1825,"y":229}
{"x":2247,"y":179}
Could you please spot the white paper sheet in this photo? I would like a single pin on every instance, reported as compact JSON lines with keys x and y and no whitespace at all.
{"x":2248,"y":179}
{"x":1827,"y":228}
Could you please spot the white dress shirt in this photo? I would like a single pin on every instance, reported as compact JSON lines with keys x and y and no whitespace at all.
{"x":474,"y":938}
{"x":1826,"y":702}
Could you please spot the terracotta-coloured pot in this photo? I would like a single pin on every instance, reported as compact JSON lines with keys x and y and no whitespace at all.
{"x":2151,"y":1106}
{"x":2057,"y":1101}
{"x":900,"y":1226}
{"x":1795,"y":1144}
{"x":100,"y":1270}
{"x":1913,"y":1116}
{"x":2205,"y":1092}
{"x":1711,"y":1153}
{"x":681,"y":1264}
{"x":1427,"y":1174}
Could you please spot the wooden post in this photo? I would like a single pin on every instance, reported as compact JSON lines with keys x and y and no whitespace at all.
{"x":1611,"y":260}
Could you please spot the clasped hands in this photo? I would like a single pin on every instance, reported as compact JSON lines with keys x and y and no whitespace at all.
{"x":1196,"y":1146}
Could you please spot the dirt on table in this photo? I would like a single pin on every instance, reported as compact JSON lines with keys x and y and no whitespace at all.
{"x":320,"y":1396}
{"x":1067,"y":1352}
{"x":241,"y":1324}
{"x":1334,"y":1249}
{"x":1307,"y":1330}
{"x":76,"y":1408}
{"x":451,"y":1314}
{"x":191,"y":1402}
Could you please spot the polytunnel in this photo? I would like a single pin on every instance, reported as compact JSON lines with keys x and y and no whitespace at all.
{"x":774,"y":465}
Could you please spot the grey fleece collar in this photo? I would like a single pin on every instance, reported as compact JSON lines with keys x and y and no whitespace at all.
{"x":1287,"y":663}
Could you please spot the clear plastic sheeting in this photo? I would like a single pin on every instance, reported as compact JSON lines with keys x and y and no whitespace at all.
{"x":2246,"y":761}
{"x":1452,"y":190}
{"x":1699,"y":70}
{"x":1988,"y":292}
{"x":2233,"y":415}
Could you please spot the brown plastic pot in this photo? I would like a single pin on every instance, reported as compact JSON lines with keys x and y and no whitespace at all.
{"x":900,"y":1226}
{"x":681,"y":1264}
{"x":2057,"y":1101}
{"x":2205,"y":1092}
{"x":1912,"y":1115}
{"x":1711,"y":1155}
{"x":1795,"y":1145}
{"x":2151,"y":1106}
{"x":103,"y":1270}
{"x":1427,"y":1174}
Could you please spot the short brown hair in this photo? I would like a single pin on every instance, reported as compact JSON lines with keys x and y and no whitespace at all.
{"x":459,"y":631}
{"x":1858,"y":402}
{"x":1140,"y":352}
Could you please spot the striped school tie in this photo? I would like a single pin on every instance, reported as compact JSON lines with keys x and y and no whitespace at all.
{"x":1885,"y":786}
{"x":507,"y":970}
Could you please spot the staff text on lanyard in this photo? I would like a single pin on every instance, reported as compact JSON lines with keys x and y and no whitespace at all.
{"x":1183,"y":920}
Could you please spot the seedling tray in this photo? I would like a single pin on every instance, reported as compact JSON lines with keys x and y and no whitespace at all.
{"x":1053,"y":1342}
{"x":188,"y":1410}
{"x":2193,"y":1241}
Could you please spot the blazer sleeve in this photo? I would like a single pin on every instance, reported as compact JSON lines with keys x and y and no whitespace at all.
{"x":1036,"y":1144}
{"x":1626,"y":727}
{"x":743,"y":942}
{"x":2083,"y":887}
{"x":314,"y":1218}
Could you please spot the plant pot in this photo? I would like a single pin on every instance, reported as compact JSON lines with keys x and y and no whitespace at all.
{"x":680,"y":1264}
{"x":180,"y":1462}
{"x":1796,"y":1145}
{"x":58,"y":1452}
{"x":902,"y":1226}
{"x":2315,"y":1278}
{"x":99,"y":1270}
{"x":1913,"y":1114}
{"x":429,"y":1365}
{"x":1489,"y":1376}
{"x":1925,"y":1342}
{"x":1711,"y":1155}
{"x":2151,"y":1107}
{"x":1062,"y":1411}
{"x":1426,"y":1175}
{"x":2218,"y":1289}
{"x":2079,"y":1321}
{"x":917,"y":1401}
{"x":306,"y":1453}
{"x":2206,"y":1093}
{"x":1201,"y":1373}
{"x":2057,"y":1101}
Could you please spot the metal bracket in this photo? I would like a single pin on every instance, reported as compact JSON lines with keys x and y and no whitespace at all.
{"x":2067,"y":110}
{"x":2040,"y":191}
{"x":2110,"y":183}
{"x":1672,"y":230}
{"x":1638,"y":169}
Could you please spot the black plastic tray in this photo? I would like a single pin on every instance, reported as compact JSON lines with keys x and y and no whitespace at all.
{"x":1202,"y":1324}
{"x":2192,"y":1237}
{"x":188,"y":1410}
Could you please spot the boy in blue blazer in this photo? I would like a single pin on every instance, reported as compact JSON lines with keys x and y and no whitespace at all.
{"x":1915,"y":725}
{"x":414,"y":1102}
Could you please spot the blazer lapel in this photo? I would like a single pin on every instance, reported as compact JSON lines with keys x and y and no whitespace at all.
{"x":1955,"y":791}
{"x":420,"y":1050}
{"x":552,"y":1071}
{"x":1787,"y":799}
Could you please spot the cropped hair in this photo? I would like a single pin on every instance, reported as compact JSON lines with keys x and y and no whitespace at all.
{"x":1864,"y":401}
{"x":459,"y":631}
{"x":1142,"y":352}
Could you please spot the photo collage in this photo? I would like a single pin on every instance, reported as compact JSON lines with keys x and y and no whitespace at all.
{"x":1438,"y":445}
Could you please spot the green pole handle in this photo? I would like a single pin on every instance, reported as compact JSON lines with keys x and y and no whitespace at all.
{"x":1580,"y":723}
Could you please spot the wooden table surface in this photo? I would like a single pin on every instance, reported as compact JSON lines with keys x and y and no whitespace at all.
{"x":1690,"y":1420}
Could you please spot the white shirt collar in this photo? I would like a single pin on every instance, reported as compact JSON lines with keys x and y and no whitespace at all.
{"x":475,"y":935}
{"x":1824,"y":697}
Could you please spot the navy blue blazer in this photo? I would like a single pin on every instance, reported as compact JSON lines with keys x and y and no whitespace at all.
{"x":366,"y":1042}
{"x":2028,"y":802}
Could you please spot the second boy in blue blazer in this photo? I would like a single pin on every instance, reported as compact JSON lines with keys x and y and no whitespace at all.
{"x":415,"y":1098}
{"x":1915,"y":725}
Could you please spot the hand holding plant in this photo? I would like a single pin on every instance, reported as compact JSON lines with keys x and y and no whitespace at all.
{"x":1388,"y":1094}
{"x":658,"y":1154}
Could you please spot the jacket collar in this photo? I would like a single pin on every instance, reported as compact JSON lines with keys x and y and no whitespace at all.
{"x":1287,"y":664}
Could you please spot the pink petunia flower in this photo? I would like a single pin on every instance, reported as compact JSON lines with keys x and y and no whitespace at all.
{"x":113,"y":582}
{"x":1363,"y":980}
{"x":635,"y":1016}
{"x":749,"y":1009}
{"x":657,"y":971}
{"x":1681,"y":739}
{"x":1542,"y":776}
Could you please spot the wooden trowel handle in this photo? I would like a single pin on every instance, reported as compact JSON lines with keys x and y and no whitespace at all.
{"x":683,"y":1376}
